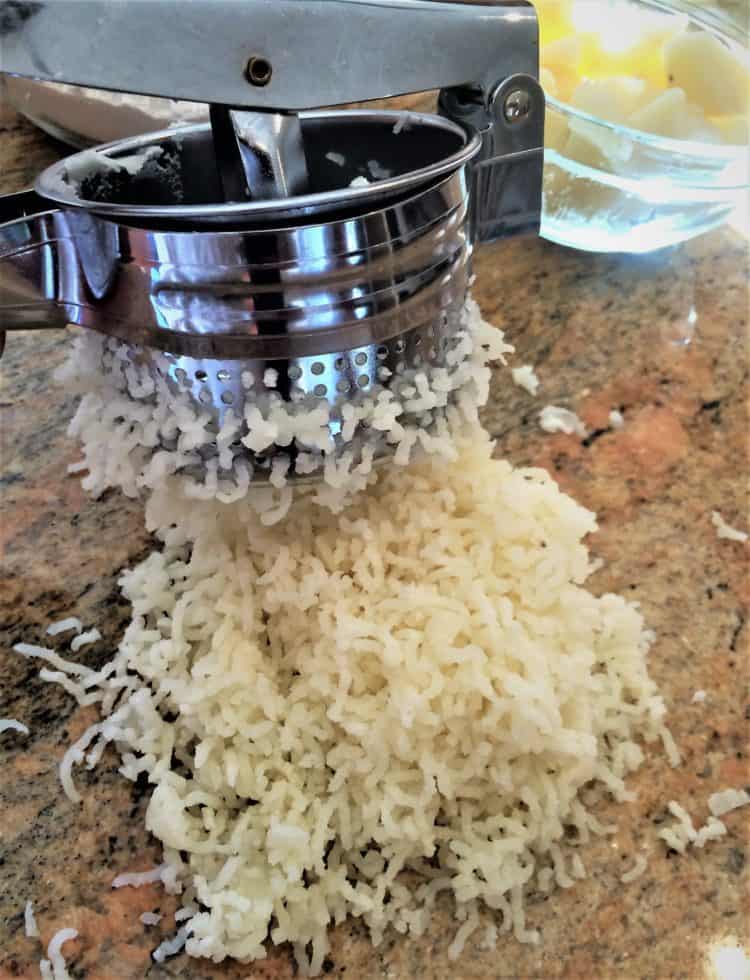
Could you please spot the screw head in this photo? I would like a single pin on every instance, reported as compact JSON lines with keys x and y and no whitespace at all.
{"x":258,"y":70}
{"x":517,"y":105}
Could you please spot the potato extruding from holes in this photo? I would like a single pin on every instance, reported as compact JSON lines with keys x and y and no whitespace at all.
{"x":216,"y":257}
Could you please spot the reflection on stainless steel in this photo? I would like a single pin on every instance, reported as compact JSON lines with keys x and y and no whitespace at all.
{"x":508,"y":169}
{"x":306,"y":287}
{"x":427,"y":148}
{"x":341,"y":300}
{"x":326,"y":305}
{"x":38,"y":264}
{"x":260,"y":155}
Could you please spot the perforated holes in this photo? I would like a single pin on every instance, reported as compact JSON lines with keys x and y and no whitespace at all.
{"x":200,"y":375}
{"x":318,"y":368}
{"x":342,"y":386}
{"x":223,"y":375}
{"x":360,"y":359}
{"x":363,"y":380}
{"x":320,"y":391}
{"x":339,"y":363}
{"x":382,"y":353}
{"x":294,"y":373}
{"x":205,"y":396}
{"x":227,"y":397}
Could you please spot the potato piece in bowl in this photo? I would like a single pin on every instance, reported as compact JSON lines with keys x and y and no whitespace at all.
{"x":598,"y":147}
{"x":644,"y":58}
{"x":548,"y":82}
{"x":711,"y":75}
{"x":671,"y":114}
{"x":734,"y":129}
{"x":613,"y":99}
{"x":555,"y":19}
{"x":583,"y":148}
{"x":562,"y":58}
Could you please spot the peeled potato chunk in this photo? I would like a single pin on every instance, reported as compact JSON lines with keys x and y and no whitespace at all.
{"x":562,"y":58}
{"x":555,"y":131}
{"x":548,"y":82}
{"x":711,"y":76}
{"x":647,"y":71}
{"x":733,"y":129}
{"x":555,"y":19}
{"x":613,"y":99}
{"x":670,"y":114}
{"x":664,"y":116}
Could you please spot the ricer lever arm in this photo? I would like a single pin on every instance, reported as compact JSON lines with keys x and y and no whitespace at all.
{"x":269,"y":54}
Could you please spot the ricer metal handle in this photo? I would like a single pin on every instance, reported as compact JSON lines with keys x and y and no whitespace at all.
{"x":55,"y":265}
{"x":277,"y":55}
{"x":290,"y":55}
{"x":32,"y":240}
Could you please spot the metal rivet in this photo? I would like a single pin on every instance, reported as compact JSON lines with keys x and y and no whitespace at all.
{"x":258,"y":70}
{"x":517,"y":105}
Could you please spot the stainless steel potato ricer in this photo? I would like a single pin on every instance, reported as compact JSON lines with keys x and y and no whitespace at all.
{"x":331,"y":247}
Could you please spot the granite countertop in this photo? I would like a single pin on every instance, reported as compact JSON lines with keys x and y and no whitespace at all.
{"x":662,"y":338}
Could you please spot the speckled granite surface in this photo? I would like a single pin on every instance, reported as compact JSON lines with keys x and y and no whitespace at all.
{"x":663,"y":339}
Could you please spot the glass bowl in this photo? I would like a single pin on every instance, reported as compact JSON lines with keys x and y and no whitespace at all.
{"x":631,"y":191}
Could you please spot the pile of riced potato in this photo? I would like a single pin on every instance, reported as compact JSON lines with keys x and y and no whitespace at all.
{"x":644,"y":70}
{"x":362,"y":713}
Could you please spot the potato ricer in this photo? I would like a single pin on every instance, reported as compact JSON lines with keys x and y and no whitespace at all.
{"x":284,"y":254}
